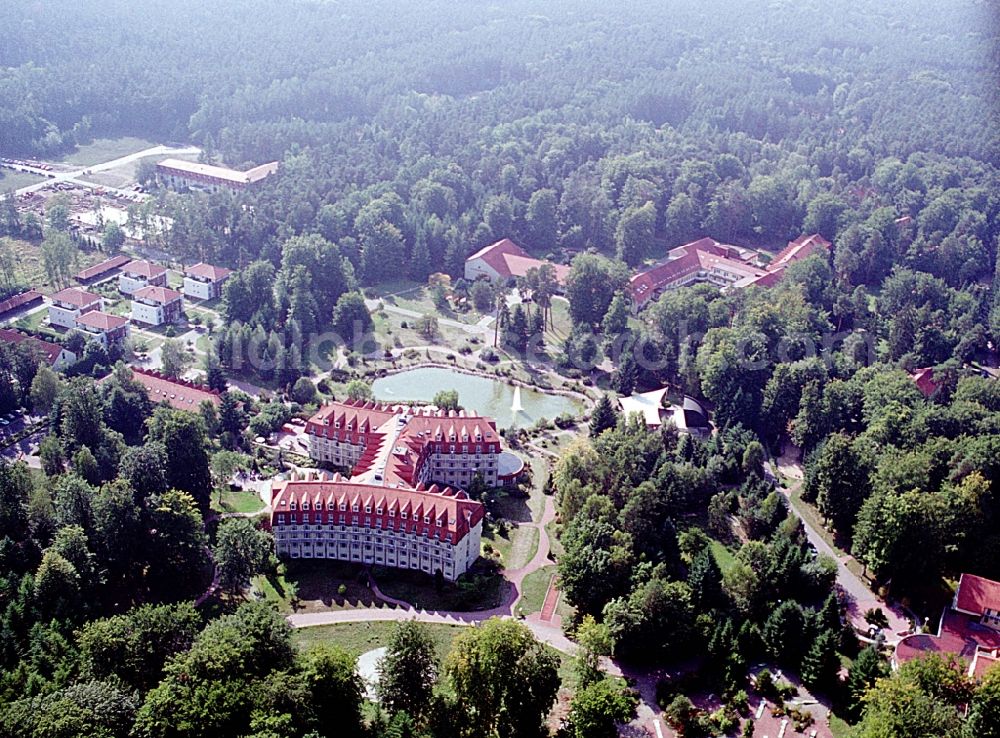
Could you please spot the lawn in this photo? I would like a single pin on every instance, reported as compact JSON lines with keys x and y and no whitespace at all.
{"x":523,"y":547}
{"x":472,"y":592}
{"x":314,"y":586}
{"x":359,"y":638}
{"x":723,"y":556}
{"x":237,"y":501}
{"x":13,"y":180}
{"x":533,"y":590}
{"x":29,"y":268}
{"x":101,"y":150}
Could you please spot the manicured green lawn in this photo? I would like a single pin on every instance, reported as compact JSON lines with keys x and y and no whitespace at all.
{"x":237,"y":501}
{"x":524,"y":546}
{"x":358,"y":638}
{"x":472,"y":592}
{"x":533,"y":590}
{"x":839,"y":727}
{"x":314,"y":586}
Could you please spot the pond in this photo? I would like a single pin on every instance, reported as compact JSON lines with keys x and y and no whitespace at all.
{"x":482,"y":395}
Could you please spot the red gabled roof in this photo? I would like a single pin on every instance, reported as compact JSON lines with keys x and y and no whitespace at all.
{"x":977,"y":594}
{"x":76,"y":297}
{"x":452,"y":510}
{"x":101,"y":321}
{"x":89,"y":273}
{"x":162,"y":295}
{"x":924,"y":379}
{"x":178,"y":393}
{"x":51,"y":350}
{"x":957,"y":635}
{"x":25,"y":298}
{"x":145,"y":269}
{"x":801,"y":248}
{"x":207,"y":271}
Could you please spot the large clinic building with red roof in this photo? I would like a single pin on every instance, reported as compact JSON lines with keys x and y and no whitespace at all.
{"x":403,"y":504}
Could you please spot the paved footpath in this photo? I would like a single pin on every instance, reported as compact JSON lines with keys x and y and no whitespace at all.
{"x":859,"y":594}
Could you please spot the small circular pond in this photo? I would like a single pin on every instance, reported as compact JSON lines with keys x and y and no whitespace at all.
{"x":491,"y":397}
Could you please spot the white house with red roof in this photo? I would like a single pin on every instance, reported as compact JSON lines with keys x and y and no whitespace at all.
{"x":969,"y":629}
{"x":107,"y":329}
{"x":204,"y":281}
{"x":69,"y":304}
{"x":138,"y":274}
{"x":505,"y":260}
{"x":157,"y":305}
{"x":56,"y":356}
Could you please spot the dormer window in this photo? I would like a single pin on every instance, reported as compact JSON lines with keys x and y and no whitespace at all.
{"x":343,"y":506}
{"x":427,"y":519}
{"x":354,"y":507}
{"x":392,"y":513}
{"x":305,"y":505}
{"x":403,"y":515}
{"x":330,"y":506}
{"x":292,"y":506}
{"x":378,"y":510}
{"x":368,"y":508}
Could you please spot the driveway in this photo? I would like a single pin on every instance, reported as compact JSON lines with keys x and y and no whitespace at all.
{"x":859,"y":596}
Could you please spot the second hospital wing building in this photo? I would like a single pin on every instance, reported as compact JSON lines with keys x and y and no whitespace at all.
{"x":404,"y":504}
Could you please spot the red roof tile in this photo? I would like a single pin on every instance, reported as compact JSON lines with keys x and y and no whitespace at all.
{"x":207,"y":271}
{"x":101,"y":321}
{"x":145,"y":269}
{"x":452,"y":510}
{"x":977,"y":594}
{"x":178,"y":393}
{"x":801,"y":248}
{"x":509,"y":260}
{"x":17,"y":301}
{"x":51,"y":350}
{"x":76,"y":297}
{"x":958,"y":635}
{"x":162,"y":295}
{"x":97,"y":270}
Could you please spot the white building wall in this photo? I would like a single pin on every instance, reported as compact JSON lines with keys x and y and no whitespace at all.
{"x":62,"y":317}
{"x":475,"y":268}
{"x":199,"y":290}
{"x":148,"y":314}
{"x":128,"y":285}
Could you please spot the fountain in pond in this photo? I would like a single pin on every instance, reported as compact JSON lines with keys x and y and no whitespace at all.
{"x":515,"y":406}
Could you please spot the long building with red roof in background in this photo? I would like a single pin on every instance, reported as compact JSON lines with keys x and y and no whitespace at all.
{"x":403,"y":504}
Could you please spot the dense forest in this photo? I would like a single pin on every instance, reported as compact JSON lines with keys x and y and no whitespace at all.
{"x":409,"y":136}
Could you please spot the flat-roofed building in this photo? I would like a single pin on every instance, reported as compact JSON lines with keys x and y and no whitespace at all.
{"x":107,"y":329}
{"x":157,"y":306}
{"x":204,"y":281}
{"x":69,"y":304}
{"x":180,"y":174}
{"x":138,"y":274}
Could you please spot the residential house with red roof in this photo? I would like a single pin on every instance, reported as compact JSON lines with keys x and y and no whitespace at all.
{"x":56,"y":356}
{"x":69,"y":304}
{"x":204,"y":281}
{"x":107,"y":329}
{"x":157,"y":306}
{"x":138,"y":274}
{"x":180,"y":394}
{"x":924,"y":379}
{"x":505,"y":260}
{"x":969,"y":628}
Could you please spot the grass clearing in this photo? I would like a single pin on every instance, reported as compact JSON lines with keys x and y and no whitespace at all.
{"x":101,"y":150}
{"x":359,"y":638}
{"x":723,"y":556}
{"x":316,"y":586}
{"x":470,"y":593}
{"x":533,"y":590}
{"x":14,"y":180}
{"x":237,"y":501}
{"x":524,"y":546}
